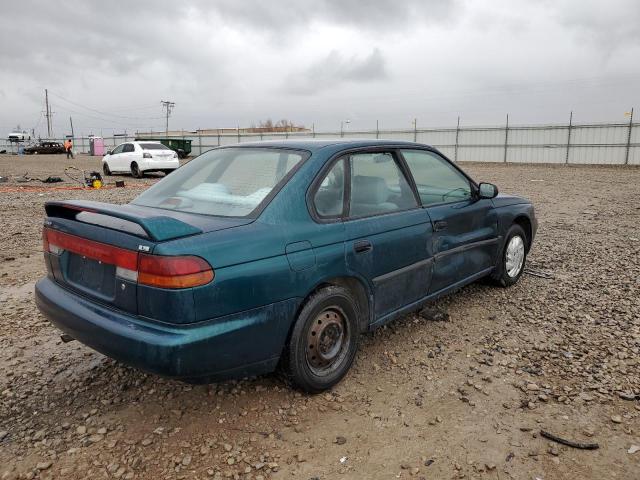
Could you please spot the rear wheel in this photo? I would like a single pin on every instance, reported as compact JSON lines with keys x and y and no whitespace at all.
{"x":324,"y":340}
{"x":105,"y":169}
{"x":135,"y":170}
{"x":513,"y":258}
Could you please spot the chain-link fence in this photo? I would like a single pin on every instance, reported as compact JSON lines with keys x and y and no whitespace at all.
{"x":606,"y":143}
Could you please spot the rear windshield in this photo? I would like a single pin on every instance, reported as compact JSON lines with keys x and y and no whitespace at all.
{"x":228,"y":182}
{"x":153,"y":146}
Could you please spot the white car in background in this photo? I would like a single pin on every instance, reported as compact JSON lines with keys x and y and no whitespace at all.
{"x":138,"y":158}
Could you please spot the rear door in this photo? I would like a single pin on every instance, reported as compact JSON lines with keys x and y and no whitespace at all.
{"x":386,"y":231}
{"x":465,"y":228}
{"x":128,"y":156}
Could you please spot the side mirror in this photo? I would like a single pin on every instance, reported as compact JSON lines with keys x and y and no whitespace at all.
{"x":108,"y":152}
{"x":487,"y":190}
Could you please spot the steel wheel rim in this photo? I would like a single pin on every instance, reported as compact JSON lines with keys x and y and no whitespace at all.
{"x":514,"y":256}
{"x":327,"y":341}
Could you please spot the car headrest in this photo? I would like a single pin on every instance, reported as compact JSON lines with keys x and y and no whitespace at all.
{"x":372,"y":190}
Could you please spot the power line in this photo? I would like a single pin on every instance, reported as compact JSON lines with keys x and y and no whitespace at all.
{"x":128,"y":117}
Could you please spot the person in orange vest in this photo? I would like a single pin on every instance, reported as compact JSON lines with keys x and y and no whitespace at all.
{"x":68,"y":146}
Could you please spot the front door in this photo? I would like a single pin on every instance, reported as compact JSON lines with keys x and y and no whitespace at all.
{"x":116,"y":159}
{"x":465,"y":229}
{"x":387,"y":234}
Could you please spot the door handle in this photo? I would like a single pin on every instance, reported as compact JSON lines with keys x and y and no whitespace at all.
{"x":439,"y":225}
{"x":362,"y":246}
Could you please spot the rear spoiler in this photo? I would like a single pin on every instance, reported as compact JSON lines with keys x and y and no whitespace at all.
{"x":138,"y":221}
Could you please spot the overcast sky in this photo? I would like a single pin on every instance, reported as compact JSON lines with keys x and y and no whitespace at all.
{"x":236,"y":62}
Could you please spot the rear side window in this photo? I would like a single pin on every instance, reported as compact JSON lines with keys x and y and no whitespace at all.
{"x":329,"y":199}
{"x":436,"y":179}
{"x":153,"y":146}
{"x":378,"y":185}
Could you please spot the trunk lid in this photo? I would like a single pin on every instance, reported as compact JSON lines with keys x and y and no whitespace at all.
{"x":95,"y":245}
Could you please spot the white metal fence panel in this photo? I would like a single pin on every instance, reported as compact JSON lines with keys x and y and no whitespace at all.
{"x":398,"y":135}
{"x":437,"y":137}
{"x":600,"y":135}
{"x":480,"y":154}
{"x":477,"y":136}
{"x":538,"y":136}
{"x":634,"y":155}
{"x":537,"y":154}
{"x":603,"y":155}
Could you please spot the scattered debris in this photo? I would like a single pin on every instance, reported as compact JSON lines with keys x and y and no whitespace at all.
{"x":569,"y":443}
{"x":633,"y":449}
{"x":434,"y":314}
{"x":537,"y":273}
{"x":52,"y":180}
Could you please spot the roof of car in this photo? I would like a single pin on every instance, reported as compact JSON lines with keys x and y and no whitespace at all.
{"x":313,"y":144}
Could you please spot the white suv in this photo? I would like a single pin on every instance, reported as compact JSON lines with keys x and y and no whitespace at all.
{"x":140,"y":157}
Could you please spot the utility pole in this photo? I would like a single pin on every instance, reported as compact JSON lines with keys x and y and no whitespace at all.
{"x":626,"y":155}
{"x":506,"y":139}
{"x":455,"y":151}
{"x":72,"y":135}
{"x":566,"y":157}
{"x":168,"y":106}
{"x":47,"y":112}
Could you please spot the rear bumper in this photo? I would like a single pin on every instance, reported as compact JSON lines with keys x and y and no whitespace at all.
{"x":151,"y":164}
{"x":232,"y":346}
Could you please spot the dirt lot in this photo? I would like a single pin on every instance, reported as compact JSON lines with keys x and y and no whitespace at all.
{"x":463,"y":398}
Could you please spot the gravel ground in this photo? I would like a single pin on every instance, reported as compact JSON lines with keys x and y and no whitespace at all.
{"x":462,"y":398}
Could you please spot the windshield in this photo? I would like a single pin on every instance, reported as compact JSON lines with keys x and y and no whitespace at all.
{"x":229,"y":182}
{"x":153,"y":146}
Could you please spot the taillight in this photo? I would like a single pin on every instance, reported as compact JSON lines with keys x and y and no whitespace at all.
{"x":146,"y":155}
{"x":173,"y":272}
{"x":154,"y":270}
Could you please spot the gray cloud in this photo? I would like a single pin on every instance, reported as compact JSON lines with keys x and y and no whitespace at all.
{"x":336,"y":69}
{"x":232,"y":62}
{"x":378,"y":15}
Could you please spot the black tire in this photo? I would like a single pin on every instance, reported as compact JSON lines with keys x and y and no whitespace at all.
{"x":334,"y":306}
{"x":135,"y":170}
{"x":106,"y":170}
{"x":501,"y":275}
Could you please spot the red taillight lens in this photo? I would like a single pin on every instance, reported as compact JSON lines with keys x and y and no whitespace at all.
{"x":173,"y":272}
{"x":102,"y":252}
{"x":154,"y":270}
{"x":45,"y":242}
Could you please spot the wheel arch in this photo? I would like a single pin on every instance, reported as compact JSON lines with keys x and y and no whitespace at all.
{"x":357,"y":288}
{"x":525,"y":223}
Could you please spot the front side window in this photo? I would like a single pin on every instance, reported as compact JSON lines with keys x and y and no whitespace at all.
{"x":128,"y":147}
{"x":378,"y":185}
{"x":436,"y":179}
{"x":117,"y":150}
{"x":229,"y":182}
